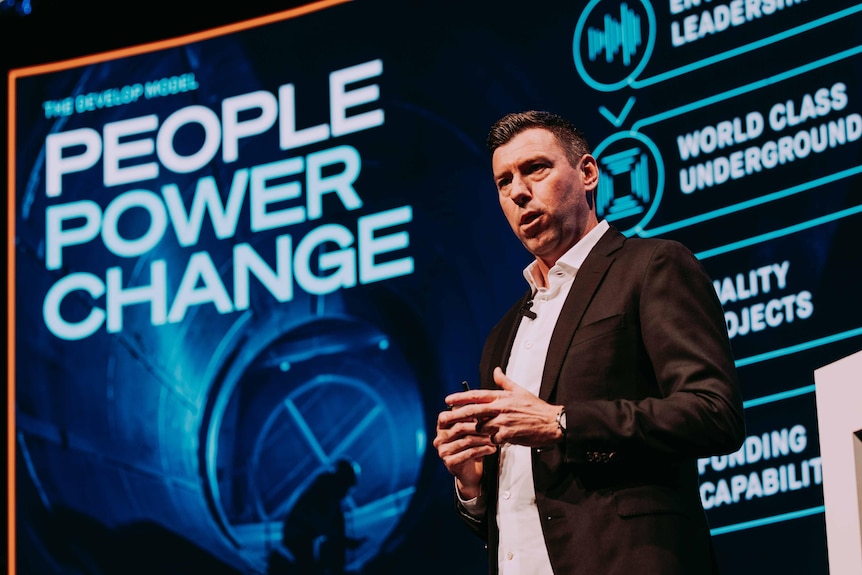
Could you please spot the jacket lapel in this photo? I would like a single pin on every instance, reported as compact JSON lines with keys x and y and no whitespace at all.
{"x":586,"y":283}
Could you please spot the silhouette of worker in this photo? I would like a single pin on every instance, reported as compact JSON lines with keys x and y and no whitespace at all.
{"x":314,"y":530}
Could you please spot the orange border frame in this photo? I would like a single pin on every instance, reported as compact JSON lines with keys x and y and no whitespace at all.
{"x":11,"y":213}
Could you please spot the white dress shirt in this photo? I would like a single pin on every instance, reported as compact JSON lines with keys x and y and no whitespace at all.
{"x":522,"y":549}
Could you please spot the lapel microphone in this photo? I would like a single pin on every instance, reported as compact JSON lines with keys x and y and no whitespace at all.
{"x":525,"y":309}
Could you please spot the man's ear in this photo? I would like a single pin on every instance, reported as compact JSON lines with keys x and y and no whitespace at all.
{"x":590,"y":168}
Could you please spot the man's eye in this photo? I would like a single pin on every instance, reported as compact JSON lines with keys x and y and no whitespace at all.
{"x":537,"y":168}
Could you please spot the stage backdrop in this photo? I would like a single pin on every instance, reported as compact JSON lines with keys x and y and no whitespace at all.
{"x":240,"y":256}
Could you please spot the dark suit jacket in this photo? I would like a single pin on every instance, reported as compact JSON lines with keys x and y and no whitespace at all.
{"x":641,"y":360}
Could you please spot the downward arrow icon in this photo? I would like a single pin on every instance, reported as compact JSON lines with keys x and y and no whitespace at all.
{"x":617,"y":121}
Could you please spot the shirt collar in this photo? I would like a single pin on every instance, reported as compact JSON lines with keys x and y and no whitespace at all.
{"x":574,"y":258}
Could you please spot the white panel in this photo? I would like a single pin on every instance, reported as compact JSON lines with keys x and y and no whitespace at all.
{"x":838,"y":388}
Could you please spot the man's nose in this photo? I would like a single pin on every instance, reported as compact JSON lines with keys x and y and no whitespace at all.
{"x":521,"y":192}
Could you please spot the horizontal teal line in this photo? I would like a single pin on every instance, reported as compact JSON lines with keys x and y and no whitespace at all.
{"x":760,"y":200}
{"x":767,"y":520}
{"x":779,"y":233}
{"x":799,"y":347}
{"x":742,"y":90}
{"x":746,"y":48}
{"x":778,"y":396}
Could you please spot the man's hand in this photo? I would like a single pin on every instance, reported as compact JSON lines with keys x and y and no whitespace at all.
{"x":509,"y":415}
{"x":462,"y":447}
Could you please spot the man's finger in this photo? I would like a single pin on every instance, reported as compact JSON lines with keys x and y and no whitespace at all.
{"x":504,"y":381}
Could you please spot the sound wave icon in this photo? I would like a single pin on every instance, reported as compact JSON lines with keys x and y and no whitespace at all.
{"x":623,"y":35}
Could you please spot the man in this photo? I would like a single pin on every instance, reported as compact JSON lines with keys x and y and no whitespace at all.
{"x":314,"y":531}
{"x":600,"y":388}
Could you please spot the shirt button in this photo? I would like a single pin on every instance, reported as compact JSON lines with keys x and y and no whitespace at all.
{"x":529,"y":345}
{"x":509,"y":555}
{"x":507,"y":494}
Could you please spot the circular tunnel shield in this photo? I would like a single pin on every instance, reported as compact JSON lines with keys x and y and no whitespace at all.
{"x":331,"y":388}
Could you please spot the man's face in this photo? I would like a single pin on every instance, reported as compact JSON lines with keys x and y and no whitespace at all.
{"x":544,"y":198}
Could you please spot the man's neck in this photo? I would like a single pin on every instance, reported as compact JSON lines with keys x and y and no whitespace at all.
{"x":540,"y":272}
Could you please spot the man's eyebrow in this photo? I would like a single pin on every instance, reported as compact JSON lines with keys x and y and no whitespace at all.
{"x":538,"y":155}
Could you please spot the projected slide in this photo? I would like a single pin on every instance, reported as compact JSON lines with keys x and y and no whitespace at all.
{"x":246,"y":266}
{"x":739,"y":135}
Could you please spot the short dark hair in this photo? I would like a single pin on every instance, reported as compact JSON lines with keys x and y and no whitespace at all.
{"x":573,"y":141}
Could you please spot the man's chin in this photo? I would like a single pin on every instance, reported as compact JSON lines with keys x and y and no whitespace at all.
{"x":534,"y":245}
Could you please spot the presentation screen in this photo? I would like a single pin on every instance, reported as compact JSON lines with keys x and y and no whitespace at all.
{"x":245,"y":266}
